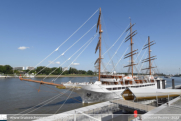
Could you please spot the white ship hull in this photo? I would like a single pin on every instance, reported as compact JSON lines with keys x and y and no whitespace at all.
{"x":92,"y":93}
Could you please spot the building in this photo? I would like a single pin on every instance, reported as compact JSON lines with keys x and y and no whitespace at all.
{"x":19,"y":68}
{"x":24,"y":68}
{"x":30,"y":68}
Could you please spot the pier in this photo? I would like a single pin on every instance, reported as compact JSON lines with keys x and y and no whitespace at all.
{"x":106,"y":110}
{"x":167,"y":111}
{"x":95,"y":112}
{"x":133,"y":105}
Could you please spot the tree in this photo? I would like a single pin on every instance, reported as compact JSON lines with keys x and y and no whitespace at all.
{"x":56,"y":71}
{"x":65,"y":72}
{"x":82,"y":72}
{"x":89,"y":72}
{"x":38,"y":69}
{"x":6,"y":69}
{"x":2,"y":69}
{"x":16,"y":72}
{"x":70,"y":70}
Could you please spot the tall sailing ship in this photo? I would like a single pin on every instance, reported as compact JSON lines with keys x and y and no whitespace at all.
{"x":110,"y":86}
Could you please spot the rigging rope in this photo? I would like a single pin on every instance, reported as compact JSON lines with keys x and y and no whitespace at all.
{"x":156,"y":66}
{"x":65,"y":51}
{"x":60,"y":92}
{"x":142,"y":57}
{"x":140,"y":52}
{"x":66,"y":39}
{"x":107,"y":38}
{"x":116,"y":41}
{"x":76,"y":58}
{"x":73,"y":55}
{"x":142,"y":64}
{"x":120,"y":58}
{"x":117,"y":50}
{"x":46,"y":102}
{"x":65,"y":101}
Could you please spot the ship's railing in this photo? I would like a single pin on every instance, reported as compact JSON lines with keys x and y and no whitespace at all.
{"x":77,"y":83}
{"x":111,"y":84}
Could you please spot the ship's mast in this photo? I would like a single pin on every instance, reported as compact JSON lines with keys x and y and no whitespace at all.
{"x":149,"y":59}
{"x":133,"y":52}
{"x":99,"y":44}
{"x":149,"y":51}
{"x":131,"y":49}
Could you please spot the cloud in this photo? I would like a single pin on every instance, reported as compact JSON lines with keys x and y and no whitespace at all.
{"x":22,"y":48}
{"x":54,"y":62}
{"x":57,"y":62}
{"x":51,"y":62}
{"x":75,"y":64}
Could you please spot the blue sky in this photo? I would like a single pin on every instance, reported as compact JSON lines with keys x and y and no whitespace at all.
{"x":43,"y":25}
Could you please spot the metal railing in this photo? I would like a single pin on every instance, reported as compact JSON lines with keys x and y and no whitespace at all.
{"x":133,"y":105}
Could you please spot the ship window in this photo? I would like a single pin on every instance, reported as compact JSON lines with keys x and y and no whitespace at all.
{"x":109,"y":88}
{"x":123,"y":87}
{"x":114,"y":88}
{"x":119,"y":87}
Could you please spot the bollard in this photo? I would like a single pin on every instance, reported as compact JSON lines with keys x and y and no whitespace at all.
{"x":163,"y":84}
{"x":158,"y":84}
{"x":173,"y":84}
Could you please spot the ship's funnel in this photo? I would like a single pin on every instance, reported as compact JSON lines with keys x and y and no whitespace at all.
{"x":144,"y":93}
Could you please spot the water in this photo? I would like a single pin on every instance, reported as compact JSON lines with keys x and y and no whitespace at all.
{"x":169,"y":81}
{"x":17,"y":96}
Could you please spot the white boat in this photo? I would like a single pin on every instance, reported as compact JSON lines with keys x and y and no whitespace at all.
{"x":2,"y":76}
{"x":29,"y":76}
{"x":110,"y":86}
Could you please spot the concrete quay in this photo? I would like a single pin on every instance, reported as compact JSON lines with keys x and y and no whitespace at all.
{"x":170,"y":111}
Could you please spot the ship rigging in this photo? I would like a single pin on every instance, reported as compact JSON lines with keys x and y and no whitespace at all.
{"x":107,"y":86}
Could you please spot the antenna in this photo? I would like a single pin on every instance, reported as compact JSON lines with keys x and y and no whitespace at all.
{"x":133,"y":52}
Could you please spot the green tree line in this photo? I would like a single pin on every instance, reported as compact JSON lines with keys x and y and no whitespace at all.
{"x":7,"y":69}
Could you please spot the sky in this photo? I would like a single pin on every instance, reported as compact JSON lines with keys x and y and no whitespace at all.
{"x":30,"y":30}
